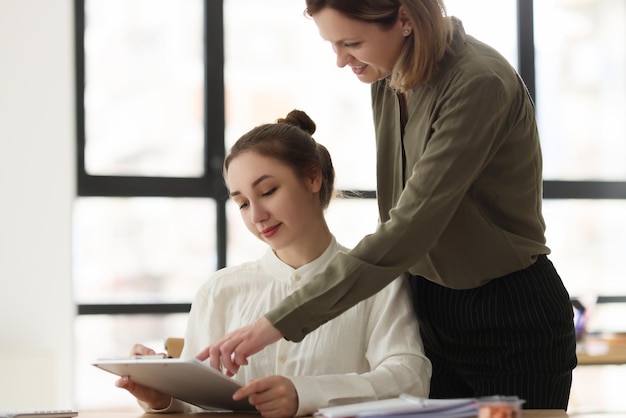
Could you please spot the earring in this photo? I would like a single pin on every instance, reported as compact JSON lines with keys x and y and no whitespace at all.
{"x":407,"y":32}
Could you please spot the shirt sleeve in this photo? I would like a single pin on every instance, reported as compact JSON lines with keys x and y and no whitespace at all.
{"x":394,"y":352}
{"x":206,"y":322}
{"x":197,"y":337}
{"x":432,"y":194}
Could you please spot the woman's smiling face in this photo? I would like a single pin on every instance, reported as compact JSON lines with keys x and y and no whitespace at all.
{"x":276,"y":206}
{"x":369,"y":50}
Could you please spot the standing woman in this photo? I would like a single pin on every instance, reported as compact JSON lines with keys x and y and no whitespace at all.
{"x":459,"y":188}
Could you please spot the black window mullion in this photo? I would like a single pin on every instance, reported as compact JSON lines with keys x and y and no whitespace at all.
{"x":526,"y":44}
{"x":79,"y":53}
{"x":214,"y":112}
{"x":587,"y":189}
{"x":133,"y":308}
{"x":135,"y":186}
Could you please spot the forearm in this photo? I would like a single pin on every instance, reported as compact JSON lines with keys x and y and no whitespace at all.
{"x":406,"y":375}
{"x":335,"y":292}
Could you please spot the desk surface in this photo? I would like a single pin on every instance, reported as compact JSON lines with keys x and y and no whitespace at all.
{"x":595,"y":351}
{"x":527,"y":413}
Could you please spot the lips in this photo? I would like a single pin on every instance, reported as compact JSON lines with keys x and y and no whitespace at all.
{"x":269,"y":232}
{"x":358,"y":69}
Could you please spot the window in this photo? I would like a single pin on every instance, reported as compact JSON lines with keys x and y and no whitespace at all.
{"x":165,"y":87}
{"x":581,"y":100}
{"x":149,"y":217}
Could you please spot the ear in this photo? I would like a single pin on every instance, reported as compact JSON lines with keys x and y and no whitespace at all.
{"x":314,"y":180}
{"x":404,"y":19}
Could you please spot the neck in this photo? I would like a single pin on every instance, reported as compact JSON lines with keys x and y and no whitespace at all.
{"x":304,"y":252}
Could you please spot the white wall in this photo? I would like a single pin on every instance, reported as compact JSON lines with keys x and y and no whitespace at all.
{"x":37,"y":179}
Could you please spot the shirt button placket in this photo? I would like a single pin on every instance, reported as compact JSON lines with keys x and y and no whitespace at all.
{"x":281,"y":358}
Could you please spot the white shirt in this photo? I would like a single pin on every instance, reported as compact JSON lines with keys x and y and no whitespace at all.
{"x":372,"y":351}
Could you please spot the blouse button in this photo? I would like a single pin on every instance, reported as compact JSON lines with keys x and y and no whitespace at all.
{"x":282,"y":358}
{"x":296,"y":278}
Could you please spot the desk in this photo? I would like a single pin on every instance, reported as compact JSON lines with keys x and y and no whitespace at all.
{"x":598,"y":351}
{"x":527,"y":413}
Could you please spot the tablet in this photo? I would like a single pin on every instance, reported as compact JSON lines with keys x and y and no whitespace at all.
{"x":188,"y":380}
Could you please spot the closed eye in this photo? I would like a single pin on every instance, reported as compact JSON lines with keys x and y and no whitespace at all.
{"x":351,"y":44}
{"x":269,"y":192}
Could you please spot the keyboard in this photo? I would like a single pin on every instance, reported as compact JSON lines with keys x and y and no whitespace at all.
{"x":38,"y":413}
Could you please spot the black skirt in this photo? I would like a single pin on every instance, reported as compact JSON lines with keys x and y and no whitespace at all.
{"x":513,"y":336}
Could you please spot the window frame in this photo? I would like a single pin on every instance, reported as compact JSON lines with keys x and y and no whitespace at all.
{"x":211,"y":185}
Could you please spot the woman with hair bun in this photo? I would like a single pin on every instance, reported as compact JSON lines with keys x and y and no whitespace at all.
{"x":282,"y":180}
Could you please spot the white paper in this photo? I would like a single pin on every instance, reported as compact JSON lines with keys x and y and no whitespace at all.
{"x":405,"y":404}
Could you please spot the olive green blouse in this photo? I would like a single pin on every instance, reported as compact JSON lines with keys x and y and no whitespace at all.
{"x":459,"y":193}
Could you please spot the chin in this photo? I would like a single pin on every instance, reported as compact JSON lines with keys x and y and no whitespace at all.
{"x":369,"y":78}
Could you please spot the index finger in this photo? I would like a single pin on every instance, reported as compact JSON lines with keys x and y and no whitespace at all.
{"x":204,"y":354}
{"x":229,"y":361}
{"x":210,"y":353}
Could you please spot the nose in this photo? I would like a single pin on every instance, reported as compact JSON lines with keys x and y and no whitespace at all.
{"x":258,"y":213}
{"x":343,"y":58}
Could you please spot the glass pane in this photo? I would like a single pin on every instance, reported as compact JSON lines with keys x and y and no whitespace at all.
{"x":581,"y":88}
{"x":144,"y":72}
{"x":275,"y":61}
{"x":597,"y":391}
{"x":500,"y":33}
{"x":587,"y":242}
{"x":142,"y":250}
{"x":113,"y":336}
{"x":352,"y":219}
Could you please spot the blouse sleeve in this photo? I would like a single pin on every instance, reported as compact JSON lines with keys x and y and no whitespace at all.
{"x":394,"y":352}
{"x":197,"y":336}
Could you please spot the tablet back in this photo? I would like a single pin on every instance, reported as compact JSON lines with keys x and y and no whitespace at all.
{"x":187,"y":380}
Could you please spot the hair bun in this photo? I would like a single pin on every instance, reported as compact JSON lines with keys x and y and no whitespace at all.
{"x":300,"y":119}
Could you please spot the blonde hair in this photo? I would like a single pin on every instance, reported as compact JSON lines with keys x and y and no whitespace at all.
{"x":423,"y":49}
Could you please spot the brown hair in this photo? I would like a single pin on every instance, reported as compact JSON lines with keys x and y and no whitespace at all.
{"x":423,"y":49}
{"x":290,"y":141}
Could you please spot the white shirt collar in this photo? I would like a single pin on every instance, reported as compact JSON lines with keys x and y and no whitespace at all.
{"x":284,"y":272}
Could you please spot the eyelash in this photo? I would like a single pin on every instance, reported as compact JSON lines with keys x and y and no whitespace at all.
{"x":351,"y":44}
{"x":269,"y":192}
{"x":266,"y":194}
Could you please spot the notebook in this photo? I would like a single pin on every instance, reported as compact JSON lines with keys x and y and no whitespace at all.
{"x":189,"y":380}
{"x":407,"y":406}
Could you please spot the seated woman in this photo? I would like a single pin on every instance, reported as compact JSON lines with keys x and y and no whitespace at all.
{"x":282,"y":181}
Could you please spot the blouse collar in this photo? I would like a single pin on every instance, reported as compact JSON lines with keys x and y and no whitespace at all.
{"x":283,"y":272}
